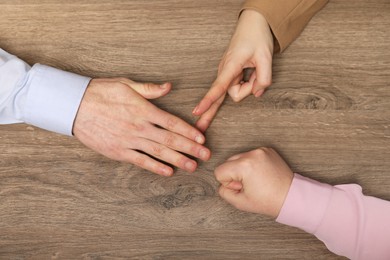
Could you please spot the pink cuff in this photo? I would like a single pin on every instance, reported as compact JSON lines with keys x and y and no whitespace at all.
{"x":306,"y":204}
{"x":349,"y":223}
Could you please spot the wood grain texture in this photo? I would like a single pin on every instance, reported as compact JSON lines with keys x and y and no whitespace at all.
{"x":327,"y":113}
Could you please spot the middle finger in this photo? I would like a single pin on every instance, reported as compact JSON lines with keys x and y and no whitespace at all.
{"x":179,"y":143}
{"x":168,"y":155}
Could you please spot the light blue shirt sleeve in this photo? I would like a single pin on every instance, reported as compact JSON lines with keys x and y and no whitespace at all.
{"x":40,"y":95}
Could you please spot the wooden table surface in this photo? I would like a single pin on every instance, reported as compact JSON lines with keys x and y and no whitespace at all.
{"x":327,"y":113}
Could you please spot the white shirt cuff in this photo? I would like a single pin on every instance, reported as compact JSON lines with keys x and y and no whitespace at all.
{"x":53,"y":98}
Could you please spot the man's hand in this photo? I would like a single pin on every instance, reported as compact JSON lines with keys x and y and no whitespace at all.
{"x":251,"y":46}
{"x":116,"y":120}
{"x":256,"y":181}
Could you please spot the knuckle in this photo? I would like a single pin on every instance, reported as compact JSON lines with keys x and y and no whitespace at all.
{"x":139,"y":161}
{"x":209,"y":100}
{"x":260,"y":152}
{"x":194,"y":149}
{"x":246,"y":163}
{"x":139,"y":127}
{"x":206,"y":120}
{"x":181,"y":161}
{"x":169,"y":140}
{"x":157,"y":150}
{"x":265,"y":83}
{"x":171,"y":123}
{"x":235,"y":97}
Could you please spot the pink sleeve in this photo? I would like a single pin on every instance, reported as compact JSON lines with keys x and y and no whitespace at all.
{"x":349,"y":223}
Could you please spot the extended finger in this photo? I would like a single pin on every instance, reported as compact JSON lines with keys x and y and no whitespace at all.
{"x":168,"y":155}
{"x":175,"y":125}
{"x":146,"y":162}
{"x":179,"y":143}
{"x":228,"y":73}
{"x":205,"y":120}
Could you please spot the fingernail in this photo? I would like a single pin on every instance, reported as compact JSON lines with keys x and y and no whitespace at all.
{"x":196,"y":109}
{"x":164,"y":86}
{"x":199,"y":139}
{"x":204,"y":154}
{"x":259,"y":93}
{"x":167,"y":172}
{"x":190,"y":166}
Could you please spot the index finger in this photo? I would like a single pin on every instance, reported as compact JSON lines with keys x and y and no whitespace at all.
{"x":229,"y":72}
{"x":205,"y":120}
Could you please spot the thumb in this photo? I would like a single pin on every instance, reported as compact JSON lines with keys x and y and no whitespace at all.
{"x":234,"y":197}
{"x":150,"y":90}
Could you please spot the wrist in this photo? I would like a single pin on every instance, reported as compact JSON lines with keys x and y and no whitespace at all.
{"x":253,"y":25}
{"x":282,"y":194}
{"x":252,"y":15}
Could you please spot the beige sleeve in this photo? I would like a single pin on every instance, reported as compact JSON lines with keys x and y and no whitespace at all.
{"x":287,"y":18}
